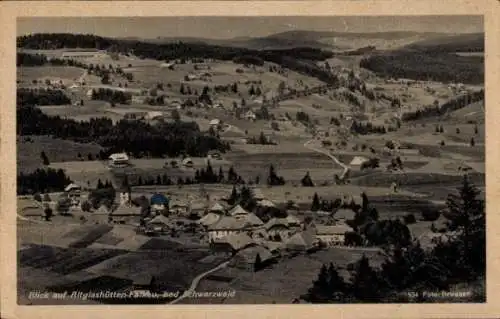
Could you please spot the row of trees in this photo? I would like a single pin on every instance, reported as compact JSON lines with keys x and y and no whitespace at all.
{"x":425,"y":66}
{"x":367,"y":128}
{"x":111,"y":96}
{"x":42,"y":181}
{"x":137,"y":138}
{"x":436,"y":110}
{"x":298,"y":59}
{"x":261,"y":140}
{"x":458,"y":258}
{"x":41,"y":96}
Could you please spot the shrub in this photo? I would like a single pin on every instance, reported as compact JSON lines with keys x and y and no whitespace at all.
{"x":410,"y":219}
{"x":37,"y":197}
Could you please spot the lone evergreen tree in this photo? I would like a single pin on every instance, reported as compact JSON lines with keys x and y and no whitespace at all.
{"x":315,"y":206}
{"x":365,"y":282}
{"x":45,"y":159}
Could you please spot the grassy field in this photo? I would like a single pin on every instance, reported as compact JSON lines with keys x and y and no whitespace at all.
{"x":65,"y":73}
{"x":291,"y":277}
{"x":29,"y":149}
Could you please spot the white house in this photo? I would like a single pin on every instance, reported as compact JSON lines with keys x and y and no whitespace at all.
{"x":124,"y":198}
{"x":73,"y":188}
{"x":119,"y":159}
{"x":215,"y":123}
{"x":358,"y":161}
{"x":250,"y":115}
{"x":332,"y":235}
{"x":153,"y":115}
{"x":188,"y":162}
{"x":82,"y":54}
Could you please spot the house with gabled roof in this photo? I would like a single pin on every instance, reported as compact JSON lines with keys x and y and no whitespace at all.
{"x":217,"y":208}
{"x":332,"y":235}
{"x":237,"y":210}
{"x":233,"y":243}
{"x":225,"y":226}
{"x":209,"y":219}
{"x":301,"y":242}
{"x":252,"y":258}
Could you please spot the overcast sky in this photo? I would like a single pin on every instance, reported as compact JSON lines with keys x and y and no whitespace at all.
{"x":230,"y":27}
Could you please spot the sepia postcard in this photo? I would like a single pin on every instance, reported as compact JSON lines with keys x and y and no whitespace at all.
{"x":273,"y":159}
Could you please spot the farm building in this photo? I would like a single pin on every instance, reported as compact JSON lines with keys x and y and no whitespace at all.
{"x":209,"y":219}
{"x":168,"y":65}
{"x":188,"y":162}
{"x":257,"y":194}
{"x":178,"y":208}
{"x":301,"y":242}
{"x":331,"y":235}
{"x":226,"y":226}
{"x":293,"y":221}
{"x":358,"y":161}
{"x":159,"y":223}
{"x":121,"y":211}
{"x":217,"y":208}
{"x":251,"y":220}
{"x":215,"y":123}
{"x":82,"y":54}
{"x":250,"y":115}
{"x":252,"y":258}
{"x":191,"y":77}
{"x":73,"y":188}
{"x":154,"y":115}
{"x":344,"y":214}
{"x":233,"y":243}
{"x":278,"y":228}
{"x":214,"y":155}
{"x":237,"y":210}
{"x":119,"y":160}
{"x":266,"y":203}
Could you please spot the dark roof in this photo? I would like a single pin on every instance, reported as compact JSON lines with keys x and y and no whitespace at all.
{"x":159,"y":199}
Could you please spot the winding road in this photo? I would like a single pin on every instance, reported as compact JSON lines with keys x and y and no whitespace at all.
{"x":197,"y":280}
{"x":327,"y":153}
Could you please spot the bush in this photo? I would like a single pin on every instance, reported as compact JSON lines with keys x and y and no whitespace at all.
{"x":410,"y":219}
{"x":86,"y":206}
{"x":37,"y":197}
{"x":431,"y":214}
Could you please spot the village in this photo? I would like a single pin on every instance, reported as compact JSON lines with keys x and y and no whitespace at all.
{"x":235,"y":170}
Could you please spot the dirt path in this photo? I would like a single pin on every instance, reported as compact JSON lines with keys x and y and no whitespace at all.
{"x":327,"y":153}
{"x":197,"y":280}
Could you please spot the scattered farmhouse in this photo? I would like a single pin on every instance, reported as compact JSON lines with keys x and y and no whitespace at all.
{"x":357,"y":161}
{"x":187,"y":162}
{"x":250,"y":115}
{"x":344,"y":214}
{"x":119,"y":160}
{"x":209,"y":219}
{"x":82,"y":54}
{"x":217,"y":208}
{"x":238,"y":211}
{"x":158,"y":224}
{"x":154,"y":115}
{"x":301,"y":242}
{"x":331,"y":235}
{"x":232,"y":243}
{"x":252,"y":258}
